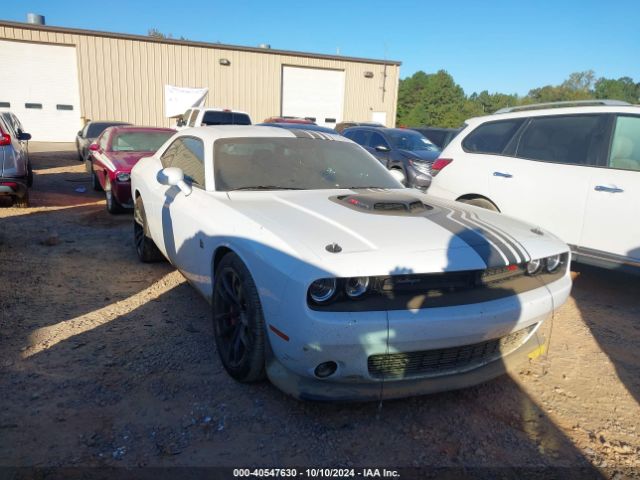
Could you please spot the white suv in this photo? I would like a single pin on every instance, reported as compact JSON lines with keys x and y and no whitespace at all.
{"x":573,"y":170}
{"x":199,"y":117}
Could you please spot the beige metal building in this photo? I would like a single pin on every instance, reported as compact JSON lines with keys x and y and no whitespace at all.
{"x":55,"y":78}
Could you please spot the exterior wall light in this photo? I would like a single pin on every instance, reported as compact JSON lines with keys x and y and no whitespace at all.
{"x":368,"y":74}
{"x":224,"y":61}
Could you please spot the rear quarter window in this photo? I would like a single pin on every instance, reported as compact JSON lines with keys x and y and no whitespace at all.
{"x":492,"y":137}
{"x":569,"y":139}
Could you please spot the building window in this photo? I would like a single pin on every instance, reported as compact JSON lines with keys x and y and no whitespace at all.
{"x":33,"y":105}
{"x":64,"y":107}
{"x":5,"y":104}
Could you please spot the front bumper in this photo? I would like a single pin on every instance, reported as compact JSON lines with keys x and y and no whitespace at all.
{"x":350,"y":342}
{"x":16,"y":187}
{"x":417,"y":179}
{"x":122,"y":193}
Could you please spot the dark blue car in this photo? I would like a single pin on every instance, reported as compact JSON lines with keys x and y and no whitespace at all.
{"x":407,"y":153}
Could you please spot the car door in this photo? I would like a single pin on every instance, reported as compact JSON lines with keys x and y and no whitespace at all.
{"x":181,"y":214}
{"x":379,"y":147}
{"x":611,"y":219}
{"x":544,"y":176}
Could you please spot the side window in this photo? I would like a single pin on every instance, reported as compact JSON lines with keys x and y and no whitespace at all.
{"x":570,"y":139}
{"x":192,"y":119}
{"x":491,"y":137}
{"x":625,"y":149}
{"x":359,"y":136}
{"x":170,"y":153}
{"x":102,"y":142}
{"x":376,"y":140}
{"x":190,"y":158}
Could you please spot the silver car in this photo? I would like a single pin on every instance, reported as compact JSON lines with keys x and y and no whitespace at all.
{"x":16,"y":175}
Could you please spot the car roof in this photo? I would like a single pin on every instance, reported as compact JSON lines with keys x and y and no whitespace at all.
{"x":136,"y":128}
{"x":299,"y":126}
{"x":380,"y":129}
{"x":554,"y":111}
{"x":213,"y":133}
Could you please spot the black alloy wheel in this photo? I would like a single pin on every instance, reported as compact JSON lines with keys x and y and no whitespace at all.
{"x":238,"y":322}
{"x":145,"y":246}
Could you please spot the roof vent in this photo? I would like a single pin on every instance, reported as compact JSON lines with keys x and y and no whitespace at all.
{"x":266,"y":46}
{"x":35,"y":19}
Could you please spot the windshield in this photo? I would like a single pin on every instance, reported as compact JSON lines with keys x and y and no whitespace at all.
{"x":410,"y":140}
{"x":296,"y":163}
{"x":139,"y":141}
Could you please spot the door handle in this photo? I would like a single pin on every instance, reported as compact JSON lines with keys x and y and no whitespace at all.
{"x":604,"y":188}
{"x":503,"y":175}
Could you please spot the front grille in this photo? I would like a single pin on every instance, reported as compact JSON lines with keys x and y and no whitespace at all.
{"x":445,"y":361}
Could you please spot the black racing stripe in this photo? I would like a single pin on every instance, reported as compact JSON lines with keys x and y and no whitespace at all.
{"x":507,"y":236}
{"x":460,"y":215}
{"x":498,"y":240}
{"x":490,"y":256}
{"x":298,"y":133}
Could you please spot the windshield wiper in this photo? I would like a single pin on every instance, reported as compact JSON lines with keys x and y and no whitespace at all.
{"x":265,"y":187}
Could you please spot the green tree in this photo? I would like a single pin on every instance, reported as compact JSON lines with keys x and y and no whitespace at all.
{"x":431,"y":99}
{"x":623,"y":88}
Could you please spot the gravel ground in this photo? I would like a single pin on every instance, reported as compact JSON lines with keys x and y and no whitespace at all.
{"x":108,"y":362}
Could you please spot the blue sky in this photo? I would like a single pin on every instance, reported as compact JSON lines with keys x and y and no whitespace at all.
{"x":500,"y":46}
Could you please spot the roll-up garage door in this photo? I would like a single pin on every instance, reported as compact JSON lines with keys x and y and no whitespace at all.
{"x":313,"y":93}
{"x":39,"y":83}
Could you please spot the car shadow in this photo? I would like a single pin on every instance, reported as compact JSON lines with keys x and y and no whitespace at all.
{"x":608,"y":304}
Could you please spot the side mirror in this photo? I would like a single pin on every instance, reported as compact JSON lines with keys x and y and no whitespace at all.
{"x":174,"y":176}
{"x":80,"y":133}
{"x":180,"y":122}
{"x":382,"y":148}
{"x":25,"y":137}
{"x":94,"y":147}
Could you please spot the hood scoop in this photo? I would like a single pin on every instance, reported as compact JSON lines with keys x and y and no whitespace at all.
{"x":383,"y":203}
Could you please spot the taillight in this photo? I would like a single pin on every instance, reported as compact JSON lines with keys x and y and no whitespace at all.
{"x":439,"y":164}
{"x":12,"y":185}
{"x":5,"y":139}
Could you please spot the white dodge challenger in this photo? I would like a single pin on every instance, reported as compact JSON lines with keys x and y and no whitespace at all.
{"x":330,"y":278}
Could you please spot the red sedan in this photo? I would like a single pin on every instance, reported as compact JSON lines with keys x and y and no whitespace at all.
{"x":113,"y":155}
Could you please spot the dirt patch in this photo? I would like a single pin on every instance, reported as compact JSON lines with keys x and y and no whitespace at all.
{"x":106,"y":361}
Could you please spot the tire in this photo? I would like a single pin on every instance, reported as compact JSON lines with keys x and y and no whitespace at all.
{"x":238,"y":321}
{"x":113,"y":207}
{"x":145,"y":246}
{"x":95,"y":183}
{"x":29,"y":175}
{"x":480,"y":202}
{"x":80,"y":157}
{"x":22,"y":202}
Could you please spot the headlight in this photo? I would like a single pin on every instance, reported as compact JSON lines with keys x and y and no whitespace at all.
{"x":356,"y":286}
{"x":553,"y":263}
{"x":322,"y":290}
{"x":123,"y":177}
{"x":421,"y":166}
{"x":533,"y":266}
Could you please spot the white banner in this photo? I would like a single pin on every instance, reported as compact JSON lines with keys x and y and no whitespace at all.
{"x":178,"y":100}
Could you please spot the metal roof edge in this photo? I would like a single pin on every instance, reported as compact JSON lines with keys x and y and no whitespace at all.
{"x":191,"y":43}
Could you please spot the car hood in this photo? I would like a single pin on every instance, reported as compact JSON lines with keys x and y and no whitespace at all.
{"x":126,"y":160}
{"x":427,"y":155}
{"x":460,"y":236}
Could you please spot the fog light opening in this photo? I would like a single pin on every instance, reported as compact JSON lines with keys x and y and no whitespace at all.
{"x":325,"y":369}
